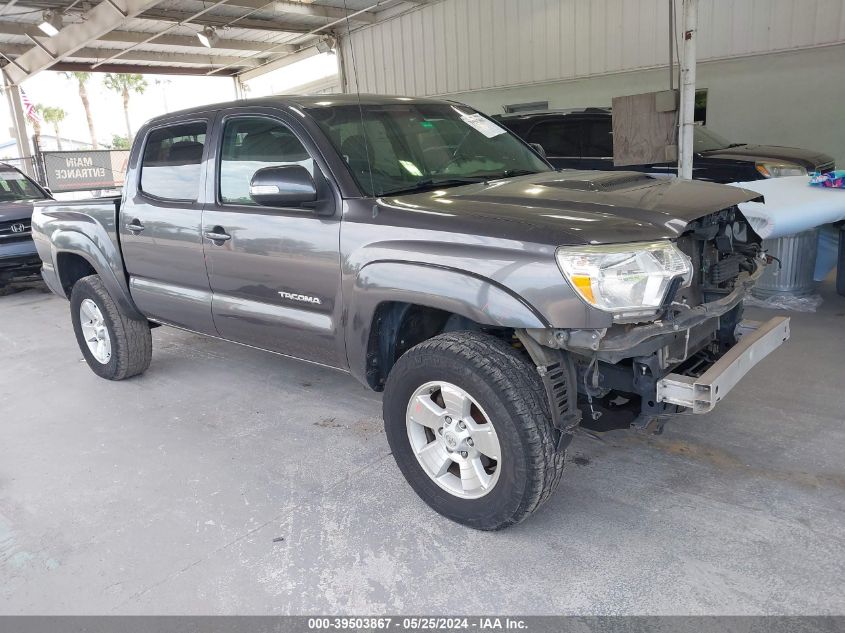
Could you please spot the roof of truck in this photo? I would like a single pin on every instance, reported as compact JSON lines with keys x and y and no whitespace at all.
{"x":329,"y":100}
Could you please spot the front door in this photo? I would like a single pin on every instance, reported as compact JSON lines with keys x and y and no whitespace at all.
{"x":274,"y":272}
{"x":160,"y":227}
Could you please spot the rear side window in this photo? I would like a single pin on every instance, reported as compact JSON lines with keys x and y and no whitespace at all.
{"x":558,"y":138}
{"x":172,"y":160}
{"x":598,"y":139}
{"x":251,"y":144}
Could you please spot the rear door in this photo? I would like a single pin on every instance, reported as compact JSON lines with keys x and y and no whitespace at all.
{"x":161,"y":222}
{"x":561,"y":140}
{"x":597,"y":143}
{"x":275,"y":277}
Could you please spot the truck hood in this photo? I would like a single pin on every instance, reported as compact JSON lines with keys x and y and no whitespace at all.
{"x":15,"y":211}
{"x":753,"y":153}
{"x":575,"y":207}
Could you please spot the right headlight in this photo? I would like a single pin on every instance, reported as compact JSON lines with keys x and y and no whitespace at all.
{"x":628,"y":280}
{"x":779,"y":170}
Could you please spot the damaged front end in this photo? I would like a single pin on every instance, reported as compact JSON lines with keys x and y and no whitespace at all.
{"x":694,"y":351}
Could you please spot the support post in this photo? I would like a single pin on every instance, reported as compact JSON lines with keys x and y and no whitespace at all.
{"x":13,"y":95}
{"x":239,"y":88}
{"x":341,"y":64}
{"x":686,"y":120}
{"x":671,"y":44}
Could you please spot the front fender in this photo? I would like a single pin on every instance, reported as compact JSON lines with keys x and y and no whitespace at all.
{"x":108,"y":266}
{"x":455,"y":291}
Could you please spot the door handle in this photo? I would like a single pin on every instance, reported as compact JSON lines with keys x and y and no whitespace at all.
{"x":217,"y":234}
{"x":135,"y":226}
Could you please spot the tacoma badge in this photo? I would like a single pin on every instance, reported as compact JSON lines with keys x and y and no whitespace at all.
{"x":303,"y":298}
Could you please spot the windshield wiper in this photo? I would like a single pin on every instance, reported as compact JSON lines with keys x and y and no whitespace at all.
{"x":430,"y":183}
{"x":511,"y":173}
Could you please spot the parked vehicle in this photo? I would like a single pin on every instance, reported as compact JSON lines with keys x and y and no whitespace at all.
{"x":18,"y":257}
{"x":433,"y":255}
{"x":583,"y":139}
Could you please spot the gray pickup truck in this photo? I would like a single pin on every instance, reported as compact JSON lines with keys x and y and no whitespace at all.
{"x":422,"y":248}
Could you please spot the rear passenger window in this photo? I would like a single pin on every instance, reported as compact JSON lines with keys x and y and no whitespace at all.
{"x":172,"y":160}
{"x":251,"y":144}
{"x":598,"y":139}
{"x":558,"y":138}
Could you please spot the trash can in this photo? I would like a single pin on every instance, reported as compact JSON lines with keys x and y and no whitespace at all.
{"x":797,"y":255}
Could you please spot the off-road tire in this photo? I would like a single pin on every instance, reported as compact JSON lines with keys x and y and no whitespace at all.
{"x":131,"y":342}
{"x":509,"y":389}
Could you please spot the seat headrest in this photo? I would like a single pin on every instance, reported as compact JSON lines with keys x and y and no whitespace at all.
{"x":355,"y":149}
{"x":267,"y":146}
{"x":185,"y":152}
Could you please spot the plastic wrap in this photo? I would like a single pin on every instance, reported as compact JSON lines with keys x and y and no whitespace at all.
{"x":791,"y":206}
{"x":807,"y":303}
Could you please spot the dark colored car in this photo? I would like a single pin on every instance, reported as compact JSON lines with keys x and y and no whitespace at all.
{"x":583,"y":139}
{"x":18,"y":257}
{"x":431,"y":254}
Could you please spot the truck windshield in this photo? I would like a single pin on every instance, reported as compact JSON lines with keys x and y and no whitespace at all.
{"x":404,"y":147}
{"x":15,"y":187}
{"x":706,"y":140}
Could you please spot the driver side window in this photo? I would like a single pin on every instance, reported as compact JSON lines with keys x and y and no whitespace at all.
{"x":250,"y":144}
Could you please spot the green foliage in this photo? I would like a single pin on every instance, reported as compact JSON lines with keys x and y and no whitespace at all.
{"x":52,"y":114}
{"x":125,"y":83}
{"x":119,"y":142}
{"x":82,"y":78}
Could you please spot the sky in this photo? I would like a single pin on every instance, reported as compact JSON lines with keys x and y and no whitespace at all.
{"x":164,"y":93}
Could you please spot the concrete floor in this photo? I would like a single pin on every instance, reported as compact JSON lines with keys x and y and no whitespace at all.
{"x":227,"y":480}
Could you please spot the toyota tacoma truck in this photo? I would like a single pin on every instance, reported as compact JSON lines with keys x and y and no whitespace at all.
{"x":424,"y":249}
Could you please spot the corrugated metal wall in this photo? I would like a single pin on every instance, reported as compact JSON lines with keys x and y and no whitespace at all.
{"x":462,"y":45}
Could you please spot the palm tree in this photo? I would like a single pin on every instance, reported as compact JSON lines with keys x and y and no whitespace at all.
{"x":124,"y":84}
{"x":54,"y":116}
{"x":82,"y":79}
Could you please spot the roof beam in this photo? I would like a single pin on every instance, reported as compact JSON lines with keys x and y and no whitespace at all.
{"x":165,"y":15}
{"x":133,"y":37}
{"x":209,"y":59}
{"x":135,"y":68}
{"x":7,"y":6}
{"x":303,"y":8}
{"x":287,"y":60}
{"x":104,"y":17}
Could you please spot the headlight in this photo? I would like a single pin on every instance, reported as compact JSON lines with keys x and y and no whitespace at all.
{"x":629,"y":280}
{"x":779,"y":170}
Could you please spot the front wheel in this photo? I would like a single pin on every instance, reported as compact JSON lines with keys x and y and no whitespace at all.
{"x":466,"y":418}
{"x":114,"y":345}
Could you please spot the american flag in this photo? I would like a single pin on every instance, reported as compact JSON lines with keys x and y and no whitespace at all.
{"x":29,"y":109}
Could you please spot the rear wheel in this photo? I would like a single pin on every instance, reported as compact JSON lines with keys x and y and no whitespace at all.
{"x":467,"y":421}
{"x":114,"y":345}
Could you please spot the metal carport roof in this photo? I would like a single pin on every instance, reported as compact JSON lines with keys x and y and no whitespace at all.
{"x":160,"y":36}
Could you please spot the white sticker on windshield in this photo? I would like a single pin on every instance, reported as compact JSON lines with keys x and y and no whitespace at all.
{"x":485,"y":126}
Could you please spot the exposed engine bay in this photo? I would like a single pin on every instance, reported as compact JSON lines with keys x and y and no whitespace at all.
{"x":721,"y":246}
{"x":619,"y":369}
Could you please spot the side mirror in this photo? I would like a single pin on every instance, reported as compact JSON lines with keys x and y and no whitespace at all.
{"x":286,"y":186}
{"x":539,"y":149}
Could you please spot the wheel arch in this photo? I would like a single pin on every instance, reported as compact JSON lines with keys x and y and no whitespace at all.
{"x":391,"y":300}
{"x":76,"y":255}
